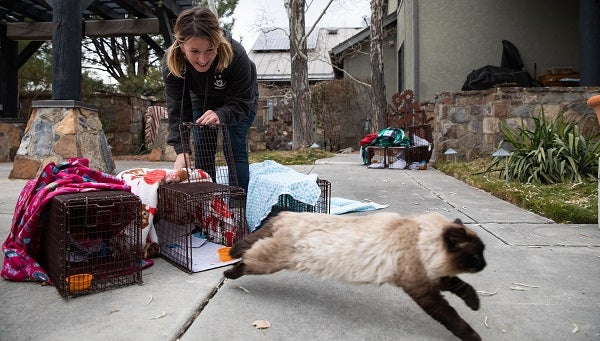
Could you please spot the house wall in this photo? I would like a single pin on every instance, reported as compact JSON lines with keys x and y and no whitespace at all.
{"x":391,"y":6}
{"x":359,"y":66}
{"x":445,"y":40}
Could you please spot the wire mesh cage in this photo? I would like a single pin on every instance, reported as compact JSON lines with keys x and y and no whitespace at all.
{"x":209,"y":147}
{"x":191,"y":213}
{"x":396,"y":157}
{"x":91,"y":241}
{"x":421,"y":136}
{"x":376,"y":157}
{"x":287,"y":203}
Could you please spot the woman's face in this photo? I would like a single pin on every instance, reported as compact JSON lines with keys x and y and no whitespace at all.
{"x":199,"y":52}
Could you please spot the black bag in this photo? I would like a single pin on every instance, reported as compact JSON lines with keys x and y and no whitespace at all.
{"x":511,"y":73}
{"x":491,"y":76}
{"x":510,"y":56}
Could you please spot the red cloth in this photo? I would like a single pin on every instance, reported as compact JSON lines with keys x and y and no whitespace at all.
{"x":70,"y":176}
{"x":368,"y":139}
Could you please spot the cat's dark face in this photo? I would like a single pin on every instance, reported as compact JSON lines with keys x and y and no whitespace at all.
{"x":464,"y":248}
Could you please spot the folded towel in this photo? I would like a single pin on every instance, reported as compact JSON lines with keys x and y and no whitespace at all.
{"x":341,"y":206}
{"x":269,"y":180}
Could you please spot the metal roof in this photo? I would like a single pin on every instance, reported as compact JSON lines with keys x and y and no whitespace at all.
{"x":277,"y":39}
{"x":272,"y":56}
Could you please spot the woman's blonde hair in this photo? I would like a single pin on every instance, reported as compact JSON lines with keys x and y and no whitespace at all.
{"x":198,"y":22}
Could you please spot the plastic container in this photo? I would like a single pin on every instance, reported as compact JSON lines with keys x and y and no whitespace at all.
{"x":224,"y":255}
{"x":79,"y":282}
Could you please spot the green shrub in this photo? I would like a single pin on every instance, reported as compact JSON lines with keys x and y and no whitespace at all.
{"x":552,"y":152}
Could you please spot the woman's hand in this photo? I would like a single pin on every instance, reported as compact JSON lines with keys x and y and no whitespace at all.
{"x":208,"y":118}
{"x":180,"y":161}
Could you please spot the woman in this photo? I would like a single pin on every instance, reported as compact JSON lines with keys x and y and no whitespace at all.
{"x":210,"y":80}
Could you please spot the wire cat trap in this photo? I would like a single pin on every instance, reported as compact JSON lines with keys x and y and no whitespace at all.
{"x":287,"y":202}
{"x":209,"y":149}
{"x":91,"y":241}
{"x":195,"y":218}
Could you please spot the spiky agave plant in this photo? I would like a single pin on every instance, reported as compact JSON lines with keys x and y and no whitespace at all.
{"x":551,"y":152}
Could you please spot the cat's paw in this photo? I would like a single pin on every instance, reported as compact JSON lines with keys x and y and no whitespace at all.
{"x":473,"y":336}
{"x":471,"y":299}
{"x":236,"y":271}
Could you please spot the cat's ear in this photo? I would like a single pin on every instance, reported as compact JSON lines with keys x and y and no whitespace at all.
{"x":453,"y":237}
{"x":458,"y":221}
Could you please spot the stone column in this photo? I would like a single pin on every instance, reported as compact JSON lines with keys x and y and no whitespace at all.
{"x":58,"y":130}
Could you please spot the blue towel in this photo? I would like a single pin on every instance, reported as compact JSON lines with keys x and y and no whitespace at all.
{"x":269,"y":180}
{"x":341,"y":206}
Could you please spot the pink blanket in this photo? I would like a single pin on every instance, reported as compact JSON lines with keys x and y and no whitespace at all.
{"x":20,"y":246}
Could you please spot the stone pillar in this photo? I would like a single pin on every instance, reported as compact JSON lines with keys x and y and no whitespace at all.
{"x":58,"y":130}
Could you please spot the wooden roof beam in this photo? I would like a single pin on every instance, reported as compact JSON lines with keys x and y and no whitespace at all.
{"x":91,"y":28}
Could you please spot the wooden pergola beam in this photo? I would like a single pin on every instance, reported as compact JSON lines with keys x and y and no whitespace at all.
{"x":42,"y":31}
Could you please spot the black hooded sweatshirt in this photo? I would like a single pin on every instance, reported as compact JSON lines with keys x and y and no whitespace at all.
{"x":231,"y":94}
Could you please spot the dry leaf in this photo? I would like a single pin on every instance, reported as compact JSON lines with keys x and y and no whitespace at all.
{"x":261,"y":324}
{"x":518,"y":288}
{"x":150,"y":300}
{"x":485,"y":322}
{"x":162,"y":314}
{"x":487,"y":293}
{"x":525,"y":285}
{"x":575,"y":328}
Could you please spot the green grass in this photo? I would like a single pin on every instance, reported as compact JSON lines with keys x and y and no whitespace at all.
{"x":290,"y":157}
{"x":574,"y":203}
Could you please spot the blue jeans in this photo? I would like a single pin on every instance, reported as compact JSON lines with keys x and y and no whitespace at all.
{"x":238,"y":137}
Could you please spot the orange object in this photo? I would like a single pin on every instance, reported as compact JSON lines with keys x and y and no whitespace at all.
{"x":224,"y":255}
{"x":155,"y":176}
{"x":79,"y":282}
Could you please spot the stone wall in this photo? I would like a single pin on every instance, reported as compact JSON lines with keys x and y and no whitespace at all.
{"x":121,"y":115}
{"x":469,"y":121}
{"x":11,"y":134}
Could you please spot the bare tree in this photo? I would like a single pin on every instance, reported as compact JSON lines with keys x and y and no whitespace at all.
{"x":378,"y":100}
{"x":302,"y":116}
{"x":128,"y":60}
